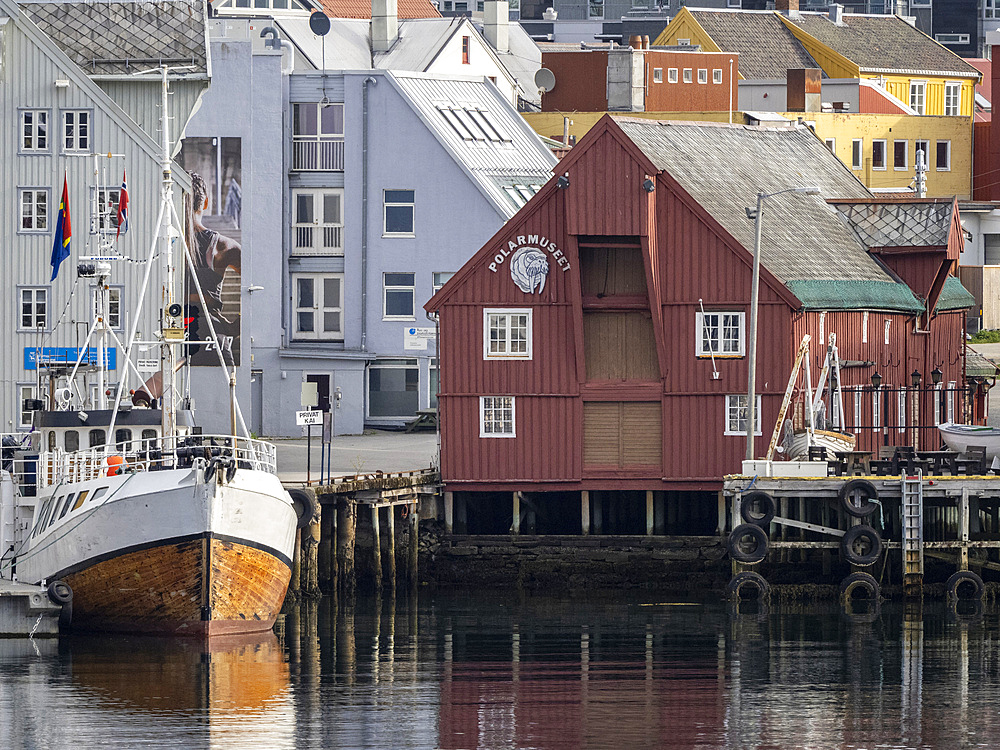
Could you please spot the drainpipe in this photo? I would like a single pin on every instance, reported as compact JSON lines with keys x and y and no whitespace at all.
{"x":364,"y":209}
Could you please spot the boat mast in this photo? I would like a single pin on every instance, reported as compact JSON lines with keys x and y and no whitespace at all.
{"x":167,"y":233}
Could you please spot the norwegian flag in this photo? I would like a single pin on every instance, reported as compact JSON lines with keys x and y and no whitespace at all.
{"x":122,"y":208}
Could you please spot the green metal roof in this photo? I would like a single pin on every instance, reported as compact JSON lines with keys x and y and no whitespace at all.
{"x":954,"y":296}
{"x":855,"y":294}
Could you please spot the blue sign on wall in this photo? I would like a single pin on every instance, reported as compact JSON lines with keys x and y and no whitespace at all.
{"x":66,"y":355}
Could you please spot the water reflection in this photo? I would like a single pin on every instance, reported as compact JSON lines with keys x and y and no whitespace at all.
{"x":495,"y":671}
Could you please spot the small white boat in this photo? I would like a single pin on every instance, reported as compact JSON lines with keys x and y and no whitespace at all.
{"x":832,"y":441}
{"x":958,"y":437}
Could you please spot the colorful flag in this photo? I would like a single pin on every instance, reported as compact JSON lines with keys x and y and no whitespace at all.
{"x":60,"y":248}
{"x":122,"y":208}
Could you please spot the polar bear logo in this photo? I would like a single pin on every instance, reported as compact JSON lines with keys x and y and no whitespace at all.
{"x":528,"y":269}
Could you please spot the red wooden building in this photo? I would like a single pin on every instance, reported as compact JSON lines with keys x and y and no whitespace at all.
{"x":593,"y":353}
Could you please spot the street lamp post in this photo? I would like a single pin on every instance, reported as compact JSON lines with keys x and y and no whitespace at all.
{"x":754,"y":292}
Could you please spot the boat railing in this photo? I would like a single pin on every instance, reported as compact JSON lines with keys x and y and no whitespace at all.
{"x":156,"y":454}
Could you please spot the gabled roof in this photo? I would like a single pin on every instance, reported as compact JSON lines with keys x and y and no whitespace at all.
{"x":347,"y":46}
{"x":915,"y":223}
{"x":121,"y":38}
{"x":483,"y":133}
{"x":420,"y":42}
{"x":767,"y":48}
{"x":522,"y":59}
{"x":363,"y":9}
{"x":883,"y":44}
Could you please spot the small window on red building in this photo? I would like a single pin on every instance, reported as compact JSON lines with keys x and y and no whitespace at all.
{"x":465,"y":50}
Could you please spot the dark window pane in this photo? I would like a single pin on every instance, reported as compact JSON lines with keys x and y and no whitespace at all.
{"x":399,"y":196}
{"x":399,"y":303}
{"x":305,"y":293}
{"x":399,"y":219}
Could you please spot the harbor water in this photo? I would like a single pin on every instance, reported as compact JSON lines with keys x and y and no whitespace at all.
{"x":459,"y":670}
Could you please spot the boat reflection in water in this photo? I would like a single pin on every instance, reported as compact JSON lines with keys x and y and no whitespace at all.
{"x":488,"y":670}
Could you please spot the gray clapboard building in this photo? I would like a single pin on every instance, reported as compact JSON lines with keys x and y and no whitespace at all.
{"x":363,"y":190}
{"x":71,"y":87}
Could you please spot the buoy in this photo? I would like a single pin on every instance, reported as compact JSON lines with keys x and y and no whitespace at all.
{"x":116,"y":464}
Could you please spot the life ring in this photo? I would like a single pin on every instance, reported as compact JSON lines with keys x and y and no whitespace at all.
{"x":59,"y":592}
{"x":755,"y":532}
{"x":862,"y":583}
{"x":960,"y":581}
{"x":858,"y":497}
{"x":757,"y":507}
{"x":748,"y":579}
{"x":305,"y":506}
{"x":116,"y":464}
{"x":856,"y":540}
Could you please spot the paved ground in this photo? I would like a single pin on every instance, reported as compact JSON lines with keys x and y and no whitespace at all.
{"x":376,"y":450}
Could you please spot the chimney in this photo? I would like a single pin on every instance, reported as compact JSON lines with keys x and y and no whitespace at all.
{"x":836,"y":14}
{"x":788,"y":8}
{"x":496,"y":24}
{"x":803,"y":92}
{"x":385,"y":25}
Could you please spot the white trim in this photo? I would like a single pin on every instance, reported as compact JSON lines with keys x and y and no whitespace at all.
{"x":319,"y":307}
{"x":687,"y":76}
{"x":920,"y":86}
{"x":50,"y":217}
{"x":19,"y":388}
{"x":699,"y":325}
{"x":672,"y":75}
{"x":956,"y":88}
{"x":885,"y":154}
{"x":412,"y":287}
{"x":318,"y":237}
{"x":717,"y":75}
{"x":657,"y":75}
{"x":901,"y":409}
{"x":938,"y":168}
{"x":906,"y":155}
{"x":507,"y":312}
{"x":87,"y":139}
{"x":702,"y":75}
{"x":860,"y":153}
{"x":413,"y":212}
{"x":725,"y":416}
{"x":36,"y":131}
{"x":482,"y":418}
{"x":19,"y":301}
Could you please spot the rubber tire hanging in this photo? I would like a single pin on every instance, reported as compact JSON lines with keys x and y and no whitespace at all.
{"x":869,"y":494}
{"x":751,"y":579}
{"x":737,"y":535}
{"x":964,"y":577}
{"x":860,"y":580}
{"x":766,"y":503}
{"x":855,"y":534}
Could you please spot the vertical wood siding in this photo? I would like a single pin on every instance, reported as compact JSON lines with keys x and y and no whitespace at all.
{"x":605,"y":188}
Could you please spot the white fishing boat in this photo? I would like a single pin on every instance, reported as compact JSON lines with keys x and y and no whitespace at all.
{"x":960,"y":437}
{"x":154,"y":526}
{"x":833,"y":441}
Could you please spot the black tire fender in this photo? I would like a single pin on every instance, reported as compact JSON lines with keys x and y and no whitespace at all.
{"x":856,"y":534}
{"x":862,"y":581}
{"x":738,"y":534}
{"x":305,"y":506}
{"x":961,"y":579}
{"x":766,"y":503}
{"x":869,"y":498}
{"x":60,"y":592}
{"x":210,"y":470}
{"x":748,"y":579}
{"x":231,"y":472}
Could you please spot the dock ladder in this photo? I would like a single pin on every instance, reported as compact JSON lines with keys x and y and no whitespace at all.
{"x":913,"y":533}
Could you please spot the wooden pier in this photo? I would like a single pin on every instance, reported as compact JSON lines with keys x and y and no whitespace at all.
{"x":886,"y":525}
{"x":325,"y":559}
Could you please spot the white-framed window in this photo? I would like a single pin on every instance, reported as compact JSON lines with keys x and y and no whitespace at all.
{"x":901,"y":410}
{"x":857,"y":153}
{"x":34,"y":210}
{"x":671,"y":75}
{"x":34,"y":308}
{"x":857,"y":393}
{"x":496,"y":416}
{"x":684,"y":42}
{"x":433,"y":385}
{"x":657,"y":75}
{"x":942,"y":161}
{"x":831,"y":143}
{"x":595,"y":9}
{"x":878,"y":154}
{"x":398,"y":208}
{"x":318,"y":221}
{"x":938,"y":390}
{"x":876,"y":410}
{"x":507,"y":333}
{"x":398,"y":296}
{"x":717,"y":75}
{"x":924,"y":146}
{"x":439,"y":279}
{"x":990,"y":9}
{"x":900,"y":155}
{"x":736,"y":415}
{"x":114,"y":311}
{"x":918,"y":92}
{"x":318,"y":306}
{"x":104,"y":210}
{"x":950,"y":404}
{"x":702,"y":75}
{"x":952,"y":98}
{"x":318,"y":136}
{"x":393,"y":388}
{"x":719,"y":333}
{"x":254,"y":6}
{"x":76,"y":130}
{"x":733,"y":3}
{"x":25,"y":391}
{"x":34,"y":130}
{"x":687,"y":75}
{"x":920,"y":3}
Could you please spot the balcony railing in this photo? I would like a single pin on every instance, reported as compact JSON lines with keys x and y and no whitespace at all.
{"x":318,"y":154}
{"x":332,"y":239}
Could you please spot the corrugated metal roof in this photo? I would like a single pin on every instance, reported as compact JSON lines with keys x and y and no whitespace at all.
{"x":725,"y":166}
{"x":767,"y":48}
{"x":483,"y":133}
{"x":363,"y":9}
{"x":900,"y":223}
{"x":121,"y":38}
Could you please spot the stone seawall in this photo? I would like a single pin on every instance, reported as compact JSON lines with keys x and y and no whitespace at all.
{"x":681,"y":564}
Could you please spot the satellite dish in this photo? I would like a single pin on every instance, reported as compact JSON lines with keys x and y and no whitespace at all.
{"x":319,"y":22}
{"x":545,"y":79}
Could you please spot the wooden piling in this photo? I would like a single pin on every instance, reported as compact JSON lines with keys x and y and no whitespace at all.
{"x":449,"y":512}
{"x":376,"y":550}
{"x":414,"y":542}
{"x":390,"y":542}
{"x":585,"y":512}
{"x":650,"y":513}
{"x":721,"y":524}
{"x":515,"y":527}
{"x":598,"y":512}
{"x":309,"y":582}
{"x":346,"y":530}
{"x":294,"y":586}
{"x":325,"y":553}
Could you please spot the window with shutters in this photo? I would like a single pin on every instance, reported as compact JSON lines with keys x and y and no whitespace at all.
{"x":622,"y":434}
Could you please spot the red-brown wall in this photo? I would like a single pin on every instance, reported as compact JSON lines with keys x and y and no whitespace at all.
{"x":581,"y":81}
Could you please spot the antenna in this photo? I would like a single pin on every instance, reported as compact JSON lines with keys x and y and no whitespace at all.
{"x":319,"y":23}
{"x":545,"y":80}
